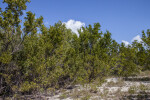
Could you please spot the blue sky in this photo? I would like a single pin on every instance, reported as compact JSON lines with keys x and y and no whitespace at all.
{"x":125,"y":19}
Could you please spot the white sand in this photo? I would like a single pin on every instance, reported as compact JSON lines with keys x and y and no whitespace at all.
{"x":104,"y":88}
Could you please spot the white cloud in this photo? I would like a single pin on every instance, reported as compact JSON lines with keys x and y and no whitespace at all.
{"x":126,"y":42}
{"x":138,"y":38}
{"x":74,"y":25}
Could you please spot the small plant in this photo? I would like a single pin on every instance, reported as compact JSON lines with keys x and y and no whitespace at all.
{"x":145,"y":73}
{"x":119,"y":83}
{"x":93,"y":88}
{"x":63,"y":96}
{"x":51,"y":90}
{"x":75,"y":94}
{"x":132,"y":89}
{"x":104,"y":93}
{"x":143,"y":87}
{"x":87,"y":97}
{"x":111,"y":83}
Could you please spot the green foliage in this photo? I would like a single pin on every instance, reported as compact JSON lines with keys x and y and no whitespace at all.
{"x":146,"y":41}
{"x":132,"y":89}
{"x":127,"y":64}
{"x":28,"y":87}
{"x":5,"y":58}
{"x":36,"y":58}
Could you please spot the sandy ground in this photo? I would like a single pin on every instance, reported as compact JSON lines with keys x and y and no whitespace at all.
{"x":112,"y":87}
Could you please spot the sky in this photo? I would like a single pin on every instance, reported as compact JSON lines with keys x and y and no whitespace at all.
{"x":125,"y":19}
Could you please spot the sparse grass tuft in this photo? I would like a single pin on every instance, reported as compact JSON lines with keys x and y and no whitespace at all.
{"x":132,"y":89}
{"x":64,"y":95}
{"x":104,"y":94}
{"x":93,"y":88}
{"x":145,"y":73}
{"x":86,"y":97}
{"x":119,"y":83}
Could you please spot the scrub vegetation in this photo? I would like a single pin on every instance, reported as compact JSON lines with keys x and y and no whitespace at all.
{"x":39,"y":59}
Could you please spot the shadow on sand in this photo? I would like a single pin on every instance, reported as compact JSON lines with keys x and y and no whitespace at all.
{"x":138,"y":96}
{"x":143,"y":95}
{"x":137,"y":79}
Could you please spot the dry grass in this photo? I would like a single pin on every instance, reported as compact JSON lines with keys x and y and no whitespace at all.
{"x":119,"y":83}
{"x":141,"y":92}
{"x":112,"y":89}
{"x":80,"y":94}
{"x":64,"y":95}
{"x":84,"y":93}
{"x":104,"y":94}
{"x":145,"y":73}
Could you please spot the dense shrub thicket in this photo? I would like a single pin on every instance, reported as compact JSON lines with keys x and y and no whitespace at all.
{"x":34,"y":57}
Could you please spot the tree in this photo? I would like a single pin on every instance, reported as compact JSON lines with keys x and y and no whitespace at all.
{"x":37,"y":58}
{"x":10,"y":43}
{"x":146,"y":40}
{"x":127,"y":64}
{"x":140,"y":54}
